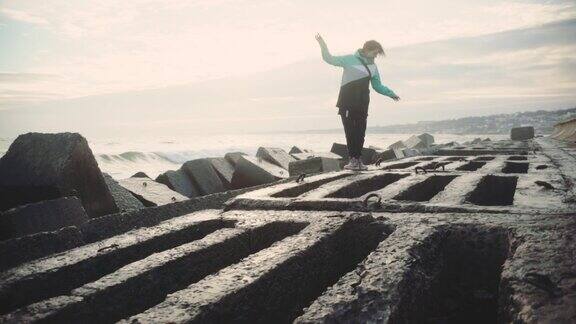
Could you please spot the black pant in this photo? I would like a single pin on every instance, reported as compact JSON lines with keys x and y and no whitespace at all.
{"x":354,"y":128}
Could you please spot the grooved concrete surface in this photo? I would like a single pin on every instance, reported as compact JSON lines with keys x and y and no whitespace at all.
{"x":488,"y":238}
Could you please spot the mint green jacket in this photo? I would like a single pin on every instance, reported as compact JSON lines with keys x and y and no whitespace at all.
{"x":355,"y":70}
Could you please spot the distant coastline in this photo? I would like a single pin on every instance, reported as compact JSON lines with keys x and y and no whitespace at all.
{"x":543,"y":122}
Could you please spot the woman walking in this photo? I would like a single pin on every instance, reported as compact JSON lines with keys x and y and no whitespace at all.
{"x":354,"y":96}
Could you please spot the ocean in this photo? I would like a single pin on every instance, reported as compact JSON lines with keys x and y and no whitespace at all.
{"x":122,"y":157}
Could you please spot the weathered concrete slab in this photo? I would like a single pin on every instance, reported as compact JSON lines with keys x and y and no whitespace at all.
{"x":275,"y":156}
{"x":44,"y":216}
{"x":489,"y":237}
{"x":150,"y":192}
{"x":565,"y":131}
{"x":264,"y":275}
{"x":313,"y":165}
{"x":123,"y":198}
{"x":42,"y":166}
{"x":522,"y":133}
{"x":109,"y":298}
{"x":179,"y":181}
{"x":60,"y":273}
{"x":204,"y":176}
{"x":252,"y":171}
{"x":303,"y":267}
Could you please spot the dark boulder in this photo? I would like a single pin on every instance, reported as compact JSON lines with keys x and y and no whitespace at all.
{"x":276,"y":156}
{"x":296,"y":149}
{"x":224,"y":169}
{"x":204,"y":176}
{"x":233,"y":157}
{"x":313,"y":165}
{"x":522,"y":133}
{"x":123,"y":198}
{"x":150,"y":192}
{"x":252,"y":171}
{"x":397,"y":145}
{"x":308,"y":155}
{"x":179,"y":181}
{"x":391,"y":154}
{"x":140,"y":175}
{"x":368,"y":155}
{"x":427,"y":139}
{"x":41,"y":167}
{"x":43,"y":216}
{"x":415,"y":142}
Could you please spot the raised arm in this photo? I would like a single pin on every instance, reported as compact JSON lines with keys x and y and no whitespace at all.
{"x":326,"y":56}
{"x":380,"y":88}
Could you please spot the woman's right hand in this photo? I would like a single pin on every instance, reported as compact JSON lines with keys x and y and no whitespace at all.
{"x":320,"y":39}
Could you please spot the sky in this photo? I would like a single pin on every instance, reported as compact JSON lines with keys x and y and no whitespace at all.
{"x":212,"y":65}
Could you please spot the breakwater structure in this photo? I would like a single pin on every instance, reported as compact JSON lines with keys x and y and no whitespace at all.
{"x":483,"y":232}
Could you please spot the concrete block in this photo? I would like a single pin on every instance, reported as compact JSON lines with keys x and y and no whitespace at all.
{"x":43,"y":216}
{"x":140,"y":174}
{"x":296,"y":149}
{"x":123,"y":198}
{"x":150,"y":192}
{"x":410,"y":152}
{"x":233,"y":157}
{"x":308,"y":155}
{"x":477,"y":140}
{"x":224,"y":169}
{"x":367,"y":155}
{"x":426,"y":138}
{"x":522,"y":133}
{"x":276,"y":156}
{"x":252,"y":171}
{"x":415,"y":142}
{"x":42,"y":166}
{"x":179,"y":181}
{"x":391,"y":154}
{"x":397,"y":145}
{"x":204,"y":176}
{"x":314,"y":165}
{"x":341,"y":150}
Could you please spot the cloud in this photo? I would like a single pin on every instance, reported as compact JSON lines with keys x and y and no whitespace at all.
{"x":22,"y":16}
{"x":7,"y":77}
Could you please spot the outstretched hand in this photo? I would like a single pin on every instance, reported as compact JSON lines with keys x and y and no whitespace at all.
{"x":395,"y":97}
{"x":320,"y":39}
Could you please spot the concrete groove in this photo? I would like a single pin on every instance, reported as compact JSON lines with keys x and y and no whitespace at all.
{"x":62,"y":272}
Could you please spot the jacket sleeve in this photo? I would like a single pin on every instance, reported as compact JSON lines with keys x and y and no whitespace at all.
{"x":330,"y":59}
{"x":379,"y":87}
